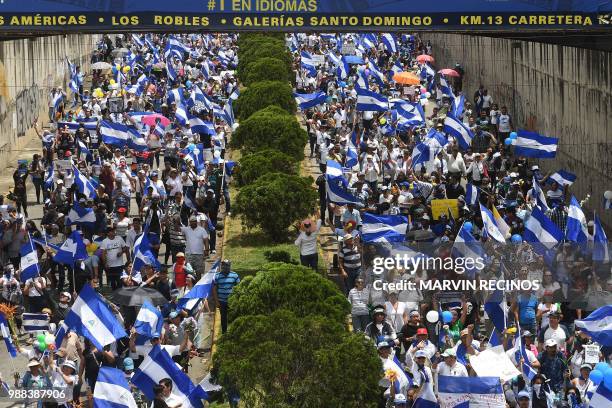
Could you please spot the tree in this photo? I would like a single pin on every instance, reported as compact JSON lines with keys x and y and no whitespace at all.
{"x":263,"y":94}
{"x":254,"y":165}
{"x":264,"y":69}
{"x":274,"y":202}
{"x":281,"y":360}
{"x":286,"y":286}
{"x":261,"y":49}
{"x":271,"y":128}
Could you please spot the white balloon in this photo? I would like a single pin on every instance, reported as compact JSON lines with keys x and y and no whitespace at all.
{"x":428,"y":95}
{"x":608,"y":195}
{"x":432,"y":316}
{"x":217,"y":154}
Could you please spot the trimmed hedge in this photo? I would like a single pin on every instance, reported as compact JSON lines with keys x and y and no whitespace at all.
{"x":254,"y":165}
{"x":262,"y":94}
{"x":264,"y":49}
{"x":271,"y":128}
{"x":264,"y":69}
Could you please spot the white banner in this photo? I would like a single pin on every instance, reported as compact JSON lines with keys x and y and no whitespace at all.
{"x":494,"y":362}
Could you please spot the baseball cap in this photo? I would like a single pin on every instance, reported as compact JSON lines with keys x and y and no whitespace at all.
{"x":383,"y":344}
{"x":422,"y":330}
{"x":449,"y":353}
{"x":128,"y":363}
{"x":526,"y":333}
{"x":523,"y":394}
{"x":379,"y":310}
{"x":550,"y":343}
{"x":420,"y":353}
{"x":69,"y":363}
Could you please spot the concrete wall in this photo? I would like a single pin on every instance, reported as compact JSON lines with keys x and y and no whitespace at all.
{"x":28,"y":70}
{"x":558,"y":91}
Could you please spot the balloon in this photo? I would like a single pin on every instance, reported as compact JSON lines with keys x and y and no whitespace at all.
{"x":42,"y":347}
{"x":608,"y":195}
{"x":114,"y":69}
{"x":51,"y":346}
{"x":516,"y":239}
{"x":49,"y":339}
{"x":468,"y":226}
{"x":423,"y":91}
{"x":596,"y":376}
{"x":513,"y":135}
{"x":217,"y":154}
{"x":432,"y":316}
{"x":35,"y":344}
{"x":447,"y":316}
{"x":601,"y":367}
{"x":126,"y":69}
{"x":608,"y":378}
{"x":188,"y":84}
{"x":508,"y":142}
{"x":40,"y":338}
{"x":428,"y":95}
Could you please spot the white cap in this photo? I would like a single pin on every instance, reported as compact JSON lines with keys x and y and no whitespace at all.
{"x":550,"y":343}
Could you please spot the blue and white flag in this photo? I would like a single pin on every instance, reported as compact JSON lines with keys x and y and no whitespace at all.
{"x":576,"y":223}
{"x":228,"y":111}
{"x":368,"y":40}
{"x":467,"y":247}
{"x":421,"y":154}
{"x":362,"y":81}
{"x":137,"y":40}
{"x":149,"y":321}
{"x":521,"y":352}
{"x":497,"y":310}
{"x":563,"y":178}
{"x":29,"y":261}
{"x":602,"y":397}
{"x":49,"y":180}
{"x":34,"y":322}
{"x":307,"y":101}
{"x":84,"y":185}
{"x":408,"y":114}
{"x":338,"y":194}
{"x":91,"y":317}
{"x":531,"y":144}
{"x":160,"y":130}
{"x":171,"y":71}
{"x":457,"y":106}
{"x":198,"y":125}
{"x":143,"y":254}
{"x":308,"y":63}
{"x":397,"y":68}
{"x":200,"y":291}
{"x":137,"y":142}
{"x":57,"y":100}
{"x":333,"y":59}
{"x":389,"y":42}
{"x":181,"y":115}
{"x":234,"y":94}
{"x":6,"y":334}
{"x":81,"y":216}
{"x":72,"y":250}
{"x":371,"y":101}
{"x":352,"y":156}
{"x":459,"y":131}
{"x":112,"y":390}
{"x":598,"y":325}
{"x":377,"y":73}
{"x":427,"y":72}
{"x":539,"y":195}
{"x":198,"y":96}
{"x":541,"y":232}
{"x":159,"y":365}
{"x":464,"y":392}
{"x":384,"y":228}
{"x":490,"y":228}
{"x":471,"y":194}
{"x":601,"y":252}
{"x":445,"y":88}
{"x":116,"y":134}
{"x":343,"y":69}
{"x":60,"y":333}
{"x":175,"y":95}
{"x":334,"y":171}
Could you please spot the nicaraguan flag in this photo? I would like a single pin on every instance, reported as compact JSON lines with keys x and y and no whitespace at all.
{"x":466,"y":246}
{"x":408,"y":114}
{"x":333,"y":58}
{"x":541,"y":232}
{"x":397,"y":67}
{"x":112,"y":390}
{"x":228,"y":111}
{"x":458,"y":130}
{"x":149,"y":321}
{"x":333,"y":170}
{"x":539,"y":195}
{"x":91,"y":317}
{"x":338,"y":194}
{"x":198,"y":125}
{"x":143,"y":254}
{"x":362,"y":81}
{"x":308,"y":63}
{"x":171,"y":71}
{"x":175,"y":96}
{"x":34,"y":322}
{"x":601,"y":252}
{"x":598,"y":325}
{"x":6,"y":334}
{"x":115,"y":134}
{"x":602,"y":397}
{"x":159,"y":130}
{"x":137,"y":143}
{"x":49,"y":180}
{"x":471,"y":194}
{"x":463,"y":392}
{"x":84,"y":185}
{"x":371,"y":101}
{"x":377,"y":73}
{"x":181,"y":114}
{"x":29,"y":261}
{"x":445,"y":88}
{"x":521,"y":352}
{"x":368,"y":40}
{"x":563,"y":178}
{"x":198,"y":96}
{"x":352,"y":157}
{"x":421,"y":154}
{"x":503,"y":227}
{"x":343,"y":69}
{"x":389,"y":42}
{"x":138,"y":116}
{"x":234,"y":94}
{"x":427,"y":72}
{"x":72,"y":250}
{"x":200,"y":291}
{"x":159,"y":365}
{"x":80,"y":216}
{"x":576,"y":223}
{"x":531,"y":144}
{"x":60,"y":333}
{"x":137,"y":40}
{"x":384,"y":228}
{"x":491,"y":229}
{"x":457,"y":106}
{"x":307,"y":101}
{"x":57,"y":100}
{"x":497,"y":310}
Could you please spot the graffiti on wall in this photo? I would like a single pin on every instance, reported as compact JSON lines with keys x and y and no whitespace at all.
{"x":27,"y":107}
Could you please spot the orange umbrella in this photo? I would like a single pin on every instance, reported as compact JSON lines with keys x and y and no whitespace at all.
{"x":406,"y":78}
{"x":425,"y":58}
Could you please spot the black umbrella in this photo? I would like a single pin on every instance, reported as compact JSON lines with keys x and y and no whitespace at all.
{"x":136,"y":296}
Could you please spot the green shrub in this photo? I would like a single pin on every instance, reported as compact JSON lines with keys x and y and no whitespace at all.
{"x":274,"y":202}
{"x":254,"y":165}
{"x":279,"y":256}
{"x":263,"y":94}
{"x":265,"y":69}
{"x":271,"y":128}
{"x":264,"y":49}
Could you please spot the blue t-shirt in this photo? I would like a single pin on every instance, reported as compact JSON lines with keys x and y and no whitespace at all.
{"x":527,"y":309}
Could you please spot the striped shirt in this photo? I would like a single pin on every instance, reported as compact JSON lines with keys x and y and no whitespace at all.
{"x":351,"y":256}
{"x":225,"y":283}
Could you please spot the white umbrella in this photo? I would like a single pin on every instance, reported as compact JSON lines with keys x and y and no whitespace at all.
{"x":101,"y":65}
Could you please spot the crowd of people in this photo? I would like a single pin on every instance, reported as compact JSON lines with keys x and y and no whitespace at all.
{"x":377,"y":147}
{"x":132,"y":161}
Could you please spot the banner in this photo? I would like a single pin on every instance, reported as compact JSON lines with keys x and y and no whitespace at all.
{"x":494,"y":362}
{"x":441,"y":207}
{"x":300,"y":15}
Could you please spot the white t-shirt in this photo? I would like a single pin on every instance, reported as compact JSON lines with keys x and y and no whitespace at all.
{"x":457,"y":370}
{"x":59,"y":382}
{"x":194,"y":240}
{"x":308,"y":243}
{"x":114,"y":251}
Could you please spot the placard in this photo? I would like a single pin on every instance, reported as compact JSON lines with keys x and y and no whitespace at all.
{"x":441,"y":207}
{"x":591,"y":353}
{"x":62,"y":165}
{"x":494,"y":362}
{"x":318,"y":59}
